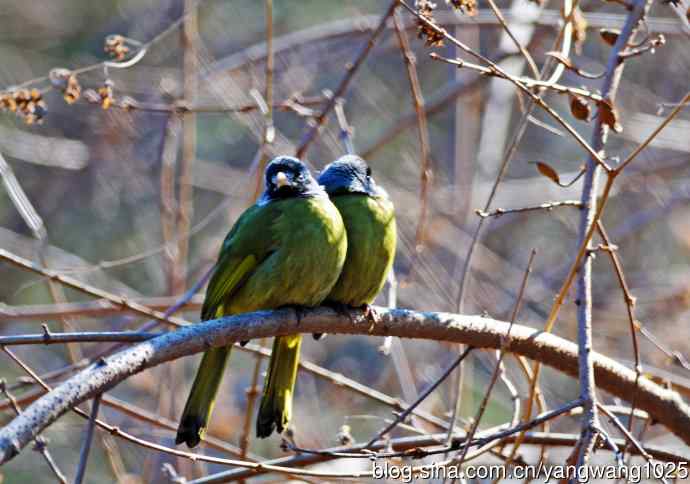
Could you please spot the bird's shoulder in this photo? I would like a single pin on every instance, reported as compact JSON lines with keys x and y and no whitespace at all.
{"x":380,"y":209}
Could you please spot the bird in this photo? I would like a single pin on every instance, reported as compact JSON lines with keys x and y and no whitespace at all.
{"x":286,"y":250}
{"x":369,"y":217}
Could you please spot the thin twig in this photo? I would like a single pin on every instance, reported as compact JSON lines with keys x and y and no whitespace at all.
{"x":88,"y":438}
{"x":587,"y":226}
{"x":499,"y":361}
{"x":564,"y":35}
{"x":542,"y":206}
{"x":525,"y":53}
{"x":486,"y":439}
{"x":346,"y":130}
{"x":49,"y":337}
{"x":679,"y":107}
{"x":403,"y":415}
{"x":630,"y":307}
{"x":628,"y":436}
{"x":345,"y":82}
{"x":165,"y":317}
{"x":528,"y":82}
{"x":161,"y":448}
{"x":88,"y":309}
{"x":404,"y":446}
{"x":426,"y":173}
{"x":516,"y":81}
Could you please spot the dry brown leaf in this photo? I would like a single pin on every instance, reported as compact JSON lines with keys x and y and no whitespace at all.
{"x":548,"y":172}
{"x":609,"y":115}
{"x":610,"y":36}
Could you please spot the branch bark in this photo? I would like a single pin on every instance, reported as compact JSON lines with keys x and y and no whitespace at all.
{"x":663,"y":405}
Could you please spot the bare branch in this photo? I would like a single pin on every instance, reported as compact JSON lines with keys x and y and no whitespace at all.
{"x":665,"y":406}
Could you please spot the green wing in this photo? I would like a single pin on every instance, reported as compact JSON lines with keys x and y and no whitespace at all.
{"x":247,"y":245}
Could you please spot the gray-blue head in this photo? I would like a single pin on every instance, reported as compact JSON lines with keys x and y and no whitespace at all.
{"x":287,"y":177}
{"x":349,"y":174}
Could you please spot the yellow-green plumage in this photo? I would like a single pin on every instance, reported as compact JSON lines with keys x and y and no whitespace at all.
{"x":275,"y":410}
{"x":288,"y":251}
{"x":371,"y":235}
{"x":369,"y":218}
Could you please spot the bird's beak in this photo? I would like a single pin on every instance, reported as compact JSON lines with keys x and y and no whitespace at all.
{"x":281,"y":179}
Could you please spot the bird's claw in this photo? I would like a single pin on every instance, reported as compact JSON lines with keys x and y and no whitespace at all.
{"x":372,"y":316}
{"x":299,"y":312}
{"x":341,"y":309}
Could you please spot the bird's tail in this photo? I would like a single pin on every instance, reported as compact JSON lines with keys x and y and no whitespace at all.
{"x":279,"y":386}
{"x":202,"y":397}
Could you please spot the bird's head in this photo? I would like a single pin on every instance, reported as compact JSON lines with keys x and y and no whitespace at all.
{"x":349,"y":174}
{"x":287,"y":177}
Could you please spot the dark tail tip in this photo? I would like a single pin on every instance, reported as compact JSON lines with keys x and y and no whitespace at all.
{"x":264,"y":427}
{"x":267,"y":422}
{"x":190,"y":431}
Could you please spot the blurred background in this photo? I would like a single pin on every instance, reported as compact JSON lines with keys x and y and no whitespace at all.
{"x":114,"y":189}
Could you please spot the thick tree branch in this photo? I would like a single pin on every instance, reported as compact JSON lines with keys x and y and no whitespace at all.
{"x":663,"y":405}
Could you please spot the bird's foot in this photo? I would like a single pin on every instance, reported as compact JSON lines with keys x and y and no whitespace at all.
{"x":372,"y":316}
{"x":340,"y":308}
{"x":300,"y":311}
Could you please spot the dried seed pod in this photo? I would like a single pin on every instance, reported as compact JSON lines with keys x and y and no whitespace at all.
{"x":579,"y":107}
{"x":468,"y":7}
{"x":115,"y":46}
{"x":431,"y":36}
{"x":29,"y":104}
{"x":58,"y":77}
{"x":7,"y":102}
{"x":106,"y":95}
{"x":72,"y":92}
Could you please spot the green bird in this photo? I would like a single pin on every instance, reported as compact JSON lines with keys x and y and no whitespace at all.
{"x":369,"y":218}
{"x":286,"y":250}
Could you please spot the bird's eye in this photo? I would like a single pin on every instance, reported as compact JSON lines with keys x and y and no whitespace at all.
{"x":368,"y":171}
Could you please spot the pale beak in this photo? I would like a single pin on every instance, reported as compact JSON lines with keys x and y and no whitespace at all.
{"x":281,"y":179}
